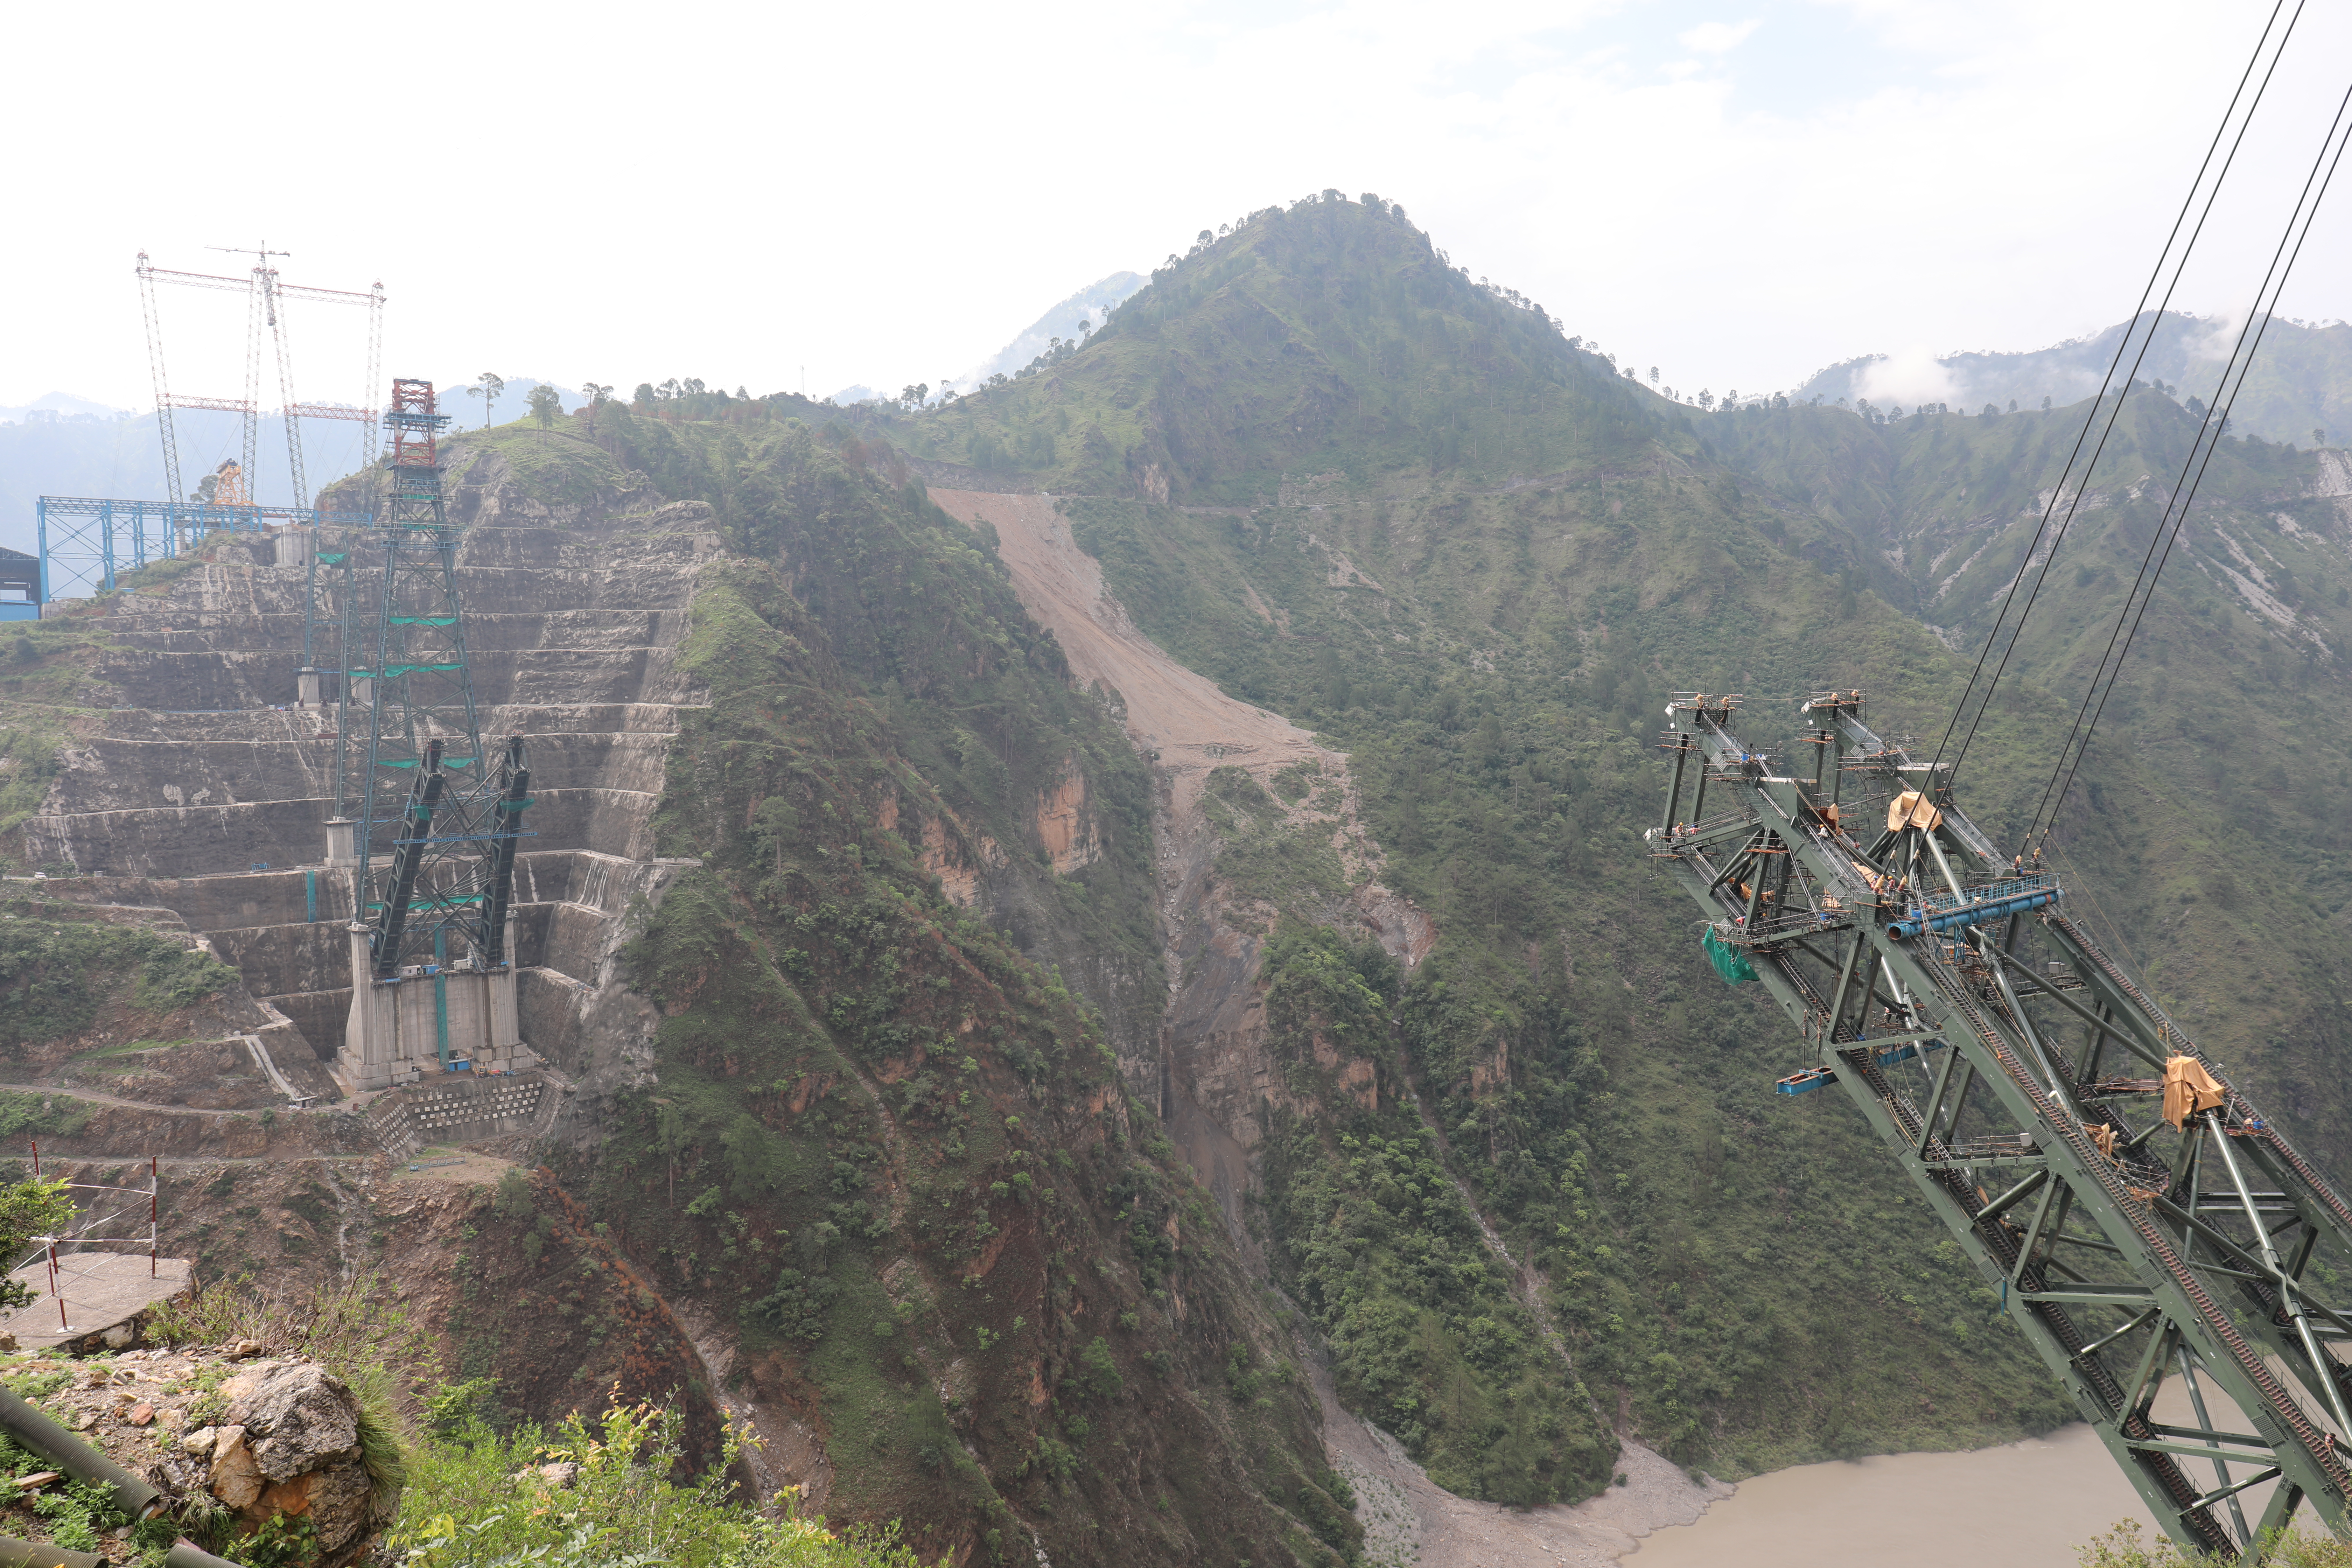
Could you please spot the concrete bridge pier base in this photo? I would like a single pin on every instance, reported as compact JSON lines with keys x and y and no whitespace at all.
{"x":427,"y":1020}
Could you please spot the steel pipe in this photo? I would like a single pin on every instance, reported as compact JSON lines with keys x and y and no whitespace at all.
{"x":76,"y":1457}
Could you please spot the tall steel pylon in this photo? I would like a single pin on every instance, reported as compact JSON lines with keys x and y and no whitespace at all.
{"x":2140,"y":1218}
{"x":266,"y":296}
{"x":436,"y":817}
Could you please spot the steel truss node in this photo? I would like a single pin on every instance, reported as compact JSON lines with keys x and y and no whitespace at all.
{"x":2012,"y":1069}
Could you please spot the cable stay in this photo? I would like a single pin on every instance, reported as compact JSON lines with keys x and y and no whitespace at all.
{"x":2137,"y":1216}
{"x":2209,"y":431}
{"x":2172,"y":261}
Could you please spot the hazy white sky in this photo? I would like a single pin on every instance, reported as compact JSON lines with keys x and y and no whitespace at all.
{"x":1738,"y":193}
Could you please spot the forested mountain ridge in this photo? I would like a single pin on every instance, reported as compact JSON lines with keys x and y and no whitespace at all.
{"x":2299,"y":390}
{"x":1331,"y":337}
{"x":1521,"y":1178}
{"x":1405,"y":510}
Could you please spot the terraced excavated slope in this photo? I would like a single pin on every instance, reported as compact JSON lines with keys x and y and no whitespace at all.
{"x":826,"y":1149}
{"x":574,"y":614}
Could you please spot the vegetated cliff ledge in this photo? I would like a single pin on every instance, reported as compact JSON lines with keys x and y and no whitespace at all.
{"x":875,"y":1163}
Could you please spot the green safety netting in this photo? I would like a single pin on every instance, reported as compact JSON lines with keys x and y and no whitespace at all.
{"x":393,"y":669}
{"x":423,"y":620}
{"x":1730,"y":962}
{"x":336,"y":560}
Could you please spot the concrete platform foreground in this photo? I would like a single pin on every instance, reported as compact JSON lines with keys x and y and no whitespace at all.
{"x":100,"y":1291}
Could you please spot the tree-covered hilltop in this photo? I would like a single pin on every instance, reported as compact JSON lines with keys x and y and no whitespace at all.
{"x":1407,"y":511}
{"x":1334,"y":336}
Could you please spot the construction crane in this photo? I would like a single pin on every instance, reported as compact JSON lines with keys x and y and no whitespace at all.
{"x":2141,"y":1219}
{"x":266,"y":296}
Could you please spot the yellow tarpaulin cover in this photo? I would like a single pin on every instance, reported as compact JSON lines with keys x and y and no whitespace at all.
{"x":2187,"y":1090}
{"x":1911,"y":809}
{"x":2103,"y":1136}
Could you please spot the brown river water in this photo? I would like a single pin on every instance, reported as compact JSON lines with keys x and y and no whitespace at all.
{"x":2026,"y":1505}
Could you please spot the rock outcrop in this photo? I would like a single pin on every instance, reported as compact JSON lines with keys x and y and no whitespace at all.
{"x":289,"y":1445}
{"x":215,"y":1430}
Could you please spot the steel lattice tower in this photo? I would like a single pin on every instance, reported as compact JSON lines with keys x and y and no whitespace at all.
{"x":2141,"y":1220}
{"x":434,"y":817}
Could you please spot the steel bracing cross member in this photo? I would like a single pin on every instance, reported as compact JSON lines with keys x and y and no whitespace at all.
{"x":2141,"y":1219}
{"x":436,"y":815}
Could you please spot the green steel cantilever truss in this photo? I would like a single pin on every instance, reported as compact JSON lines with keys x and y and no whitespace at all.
{"x":2018,"y":1075}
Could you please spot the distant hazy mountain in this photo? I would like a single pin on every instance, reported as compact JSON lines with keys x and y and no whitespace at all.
{"x":54,"y":405}
{"x":2302,"y":379}
{"x":1090,"y":304}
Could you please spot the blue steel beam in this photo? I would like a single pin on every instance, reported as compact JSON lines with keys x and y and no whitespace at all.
{"x":86,"y":542}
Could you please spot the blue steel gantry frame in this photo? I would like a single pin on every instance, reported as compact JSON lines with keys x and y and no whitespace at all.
{"x":2141,"y":1218}
{"x":86,"y":542}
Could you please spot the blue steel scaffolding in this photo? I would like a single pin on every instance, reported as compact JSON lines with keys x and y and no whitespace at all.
{"x":85,"y":541}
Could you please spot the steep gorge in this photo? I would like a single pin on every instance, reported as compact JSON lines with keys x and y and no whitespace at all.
{"x":942,"y":862}
{"x":717,"y":1146}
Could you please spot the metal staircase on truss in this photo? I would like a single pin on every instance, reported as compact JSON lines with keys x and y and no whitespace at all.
{"x":2140,"y":1218}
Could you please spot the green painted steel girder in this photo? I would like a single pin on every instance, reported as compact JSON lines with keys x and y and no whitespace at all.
{"x":2147,"y":1248}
